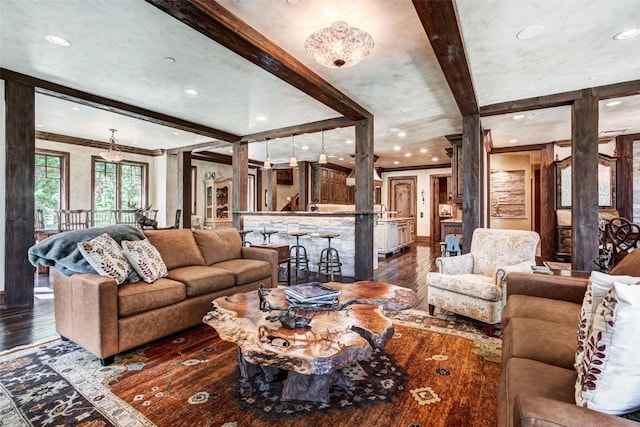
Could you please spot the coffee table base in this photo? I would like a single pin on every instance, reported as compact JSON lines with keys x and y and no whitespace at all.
{"x":295,"y":386}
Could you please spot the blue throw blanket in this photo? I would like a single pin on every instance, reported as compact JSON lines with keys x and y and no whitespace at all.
{"x":61,"y":250}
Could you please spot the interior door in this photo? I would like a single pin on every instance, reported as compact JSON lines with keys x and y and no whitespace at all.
{"x":402,"y":196}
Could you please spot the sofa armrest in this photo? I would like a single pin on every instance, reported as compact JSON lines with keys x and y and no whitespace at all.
{"x":86,"y":311}
{"x":530,"y":411}
{"x":462,"y":264}
{"x":271,"y":256}
{"x":564,"y":288}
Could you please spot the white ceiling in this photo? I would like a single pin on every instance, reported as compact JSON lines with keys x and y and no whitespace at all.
{"x":119,"y":51}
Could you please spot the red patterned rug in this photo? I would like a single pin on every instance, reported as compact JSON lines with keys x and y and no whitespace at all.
{"x":431,"y":373}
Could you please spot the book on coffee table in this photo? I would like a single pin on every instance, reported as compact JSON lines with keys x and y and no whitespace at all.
{"x":315,"y":292}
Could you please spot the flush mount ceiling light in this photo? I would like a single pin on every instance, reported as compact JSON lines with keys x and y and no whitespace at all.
{"x":518,"y":117}
{"x":322,"y":159}
{"x":293,"y":162}
{"x":191,"y":91}
{"x":267,"y":162}
{"x":513,"y":141}
{"x":530,"y":32}
{"x":57,"y":40}
{"x":627,"y":34}
{"x":613,"y":103}
{"x":114,"y":155}
{"x":339,"y":46}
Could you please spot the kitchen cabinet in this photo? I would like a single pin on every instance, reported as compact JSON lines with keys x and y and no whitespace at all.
{"x":217,"y":203}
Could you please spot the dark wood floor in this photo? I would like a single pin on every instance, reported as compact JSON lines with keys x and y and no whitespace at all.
{"x":25,"y":326}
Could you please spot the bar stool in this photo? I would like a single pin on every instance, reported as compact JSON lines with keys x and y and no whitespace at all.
{"x":298,"y":253}
{"x":266,"y":235}
{"x":244,"y":233}
{"x":329,"y":263}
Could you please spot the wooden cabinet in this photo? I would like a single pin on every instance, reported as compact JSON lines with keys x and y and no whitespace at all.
{"x":456,"y":166}
{"x":333,"y":187}
{"x":563,"y":243}
{"x":217,"y":203}
{"x":394,"y":235}
{"x":450,"y":227}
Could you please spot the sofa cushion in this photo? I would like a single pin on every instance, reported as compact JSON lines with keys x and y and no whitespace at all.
{"x":177,"y":247}
{"x":201,"y":280}
{"x":145,"y":259}
{"x":106,"y":257}
{"x":629,"y":266}
{"x":547,"y":342}
{"x":246,"y":270}
{"x":530,"y":377}
{"x":134,"y":298}
{"x":551,"y":310}
{"x":609,"y":376}
{"x":219,"y":245}
{"x":475,"y":285}
{"x":599,"y":285}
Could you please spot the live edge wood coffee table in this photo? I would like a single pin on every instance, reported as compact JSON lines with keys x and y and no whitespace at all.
{"x":311,"y":357}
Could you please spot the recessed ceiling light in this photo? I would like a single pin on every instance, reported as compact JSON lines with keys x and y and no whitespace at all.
{"x":592,"y":78}
{"x":341,"y":158}
{"x":261,"y":118}
{"x":57,"y":40}
{"x":530,"y":32}
{"x":176,"y":133}
{"x":305,"y":147}
{"x":348,"y":141}
{"x":396,"y":148}
{"x":627,"y":34}
{"x":518,"y":117}
{"x":75,"y":108}
{"x":133,"y":123}
{"x":613,"y":103}
{"x":395,"y":162}
{"x":513,"y":141}
{"x":394,"y":130}
{"x":402,"y":134}
{"x":434,"y":159}
{"x":423,"y":150}
{"x":39,"y":125}
{"x":191,"y":91}
{"x":407,"y":154}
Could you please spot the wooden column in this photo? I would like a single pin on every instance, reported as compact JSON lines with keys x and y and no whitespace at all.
{"x":261,"y":200}
{"x":584,"y":182}
{"x":303,"y":185}
{"x":471,"y":187}
{"x":184,"y":187}
{"x":272,"y":190}
{"x":624,"y":175}
{"x":240,"y":164}
{"x":19,"y":206}
{"x":547,"y":203}
{"x":364,"y":200}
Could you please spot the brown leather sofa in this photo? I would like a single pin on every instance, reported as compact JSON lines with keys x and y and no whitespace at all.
{"x":537,"y":385}
{"x":107,"y":319}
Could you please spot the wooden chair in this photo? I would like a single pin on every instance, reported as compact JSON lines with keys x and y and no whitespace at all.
{"x":38,"y":220}
{"x":621,"y":236}
{"x":127,"y":216}
{"x":102,"y":217}
{"x":69,"y":219}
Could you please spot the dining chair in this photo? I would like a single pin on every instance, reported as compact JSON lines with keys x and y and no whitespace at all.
{"x":72,"y":219}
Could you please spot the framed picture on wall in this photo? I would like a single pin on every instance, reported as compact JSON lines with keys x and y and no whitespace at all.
{"x":284,"y":176}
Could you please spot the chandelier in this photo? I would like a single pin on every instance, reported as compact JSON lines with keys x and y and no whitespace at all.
{"x":339,"y":46}
{"x":293,"y":162}
{"x":322,"y":159}
{"x":114,"y":154}
{"x":267,"y":162}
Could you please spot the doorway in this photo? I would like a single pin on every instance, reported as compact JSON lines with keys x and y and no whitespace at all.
{"x":402,"y":196}
{"x":441,"y":208}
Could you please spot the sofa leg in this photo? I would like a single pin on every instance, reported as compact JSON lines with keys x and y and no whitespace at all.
{"x":107,"y":360}
{"x":63,"y":338}
{"x":488,"y":329}
{"x":431,"y":309}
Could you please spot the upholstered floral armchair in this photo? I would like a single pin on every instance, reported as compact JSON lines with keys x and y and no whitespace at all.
{"x":473,"y":284}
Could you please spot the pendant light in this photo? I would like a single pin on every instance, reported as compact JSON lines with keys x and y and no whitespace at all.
{"x":293,"y":162}
{"x":322,"y":159}
{"x":114,"y":154}
{"x":267,"y":162}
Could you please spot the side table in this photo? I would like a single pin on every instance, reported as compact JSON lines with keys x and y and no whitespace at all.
{"x":283,"y":256}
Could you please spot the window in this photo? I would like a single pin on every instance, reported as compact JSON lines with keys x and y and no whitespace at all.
{"x":118,"y":186}
{"x":50,"y":189}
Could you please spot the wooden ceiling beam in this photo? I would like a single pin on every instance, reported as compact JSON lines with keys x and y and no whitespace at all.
{"x":66,"y":139}
{"x":335,"y":123}
{"x":84,"y":98}
{"x":217,"y":23}
{"x":200,"y":146}
{"x":439,"y":20}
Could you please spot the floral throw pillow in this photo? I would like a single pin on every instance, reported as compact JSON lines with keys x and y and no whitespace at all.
{"x":145,"y":259}
{"x":599,"y":285}
{"x":106,"y":257}
{"x":609,"y":376}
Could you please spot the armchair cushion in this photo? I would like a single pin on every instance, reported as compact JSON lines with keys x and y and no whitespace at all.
{"x":455,"y":265}
{"x":469,"y":284}
{"x":493,"y":249}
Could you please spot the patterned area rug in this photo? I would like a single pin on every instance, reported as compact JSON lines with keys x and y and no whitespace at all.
{"x":433,"y":372}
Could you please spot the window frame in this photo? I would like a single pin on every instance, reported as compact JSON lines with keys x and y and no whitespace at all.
{"x":144,"y":175}
{"x":65,"y":174}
